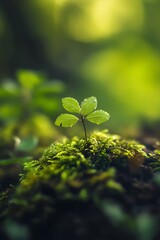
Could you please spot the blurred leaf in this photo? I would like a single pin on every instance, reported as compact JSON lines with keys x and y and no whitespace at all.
{"x":83,"y":194}
{"x":9,"y":111}
{"x":27,"y":144}
{"x":47,"y":105}
{"x":29,"y":79}
{"x":52,"y":87}
{"x":88,"y":105}
{"x":16,"y":231}
{"x":4,"y":162}
{"x":98,"y":117}
{"x":146,"y":226}
{"x":71,"y":105}
{"x":8,"y":87}
{"x":156,"y":178}
{"x":66,"y":120}
{"x":41,"y":124}
{"x":113,"y":211}
{"x":112,"y":184}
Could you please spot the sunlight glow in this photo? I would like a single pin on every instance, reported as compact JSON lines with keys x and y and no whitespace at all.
{"x":102,"y":18}
{"x":131,"y":75}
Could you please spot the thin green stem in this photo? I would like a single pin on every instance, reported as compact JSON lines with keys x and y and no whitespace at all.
{"x":84,"y":127}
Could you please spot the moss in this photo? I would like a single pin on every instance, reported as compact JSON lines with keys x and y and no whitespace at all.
{"x":101,"y":151}
{"x":155,"y":161}
{"x":79,"y":162}
{"x":76,"y":168}
{"x":73,"y":175}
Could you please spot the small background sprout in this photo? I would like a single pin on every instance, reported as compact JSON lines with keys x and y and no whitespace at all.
{"x":86,"y":111}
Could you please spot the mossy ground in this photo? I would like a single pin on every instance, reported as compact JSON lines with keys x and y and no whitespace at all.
{"x":102,"y":188}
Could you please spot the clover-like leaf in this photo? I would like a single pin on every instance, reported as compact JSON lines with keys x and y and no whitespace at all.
{"x":66,"y":120}
{"x":98,"y":117}
{"x":85,"y":111}
{"x":88,"y":105}
{"x":71,"y":105}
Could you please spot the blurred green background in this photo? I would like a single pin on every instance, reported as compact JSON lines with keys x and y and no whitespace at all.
{"x":80,"y":48}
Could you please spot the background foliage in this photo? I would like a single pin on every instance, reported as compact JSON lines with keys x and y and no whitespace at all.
{"x":109,"y":49}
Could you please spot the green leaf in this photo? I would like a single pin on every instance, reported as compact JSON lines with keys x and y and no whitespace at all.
{"x":71,"y":105}
{"x":88,"y":105}
{"x":98,"y":117}
{"x":66,"y":120}
{"x":29,"y":79}
{"x":27,"y":144}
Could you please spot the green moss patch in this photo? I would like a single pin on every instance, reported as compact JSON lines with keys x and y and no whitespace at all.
{"x":97,"y":189}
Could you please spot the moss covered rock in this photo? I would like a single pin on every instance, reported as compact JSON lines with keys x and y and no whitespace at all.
{"x":101,"y":188}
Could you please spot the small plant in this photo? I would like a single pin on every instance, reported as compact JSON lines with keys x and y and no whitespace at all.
{"x":85,"y":110}
{"x":27,"y":104}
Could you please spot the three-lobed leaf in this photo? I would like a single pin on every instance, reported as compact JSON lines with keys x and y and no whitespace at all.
{"x":98,"y":117}
{"x":71,"y":105}
{"x":66,"y":120}
{"x":88,"y":105}
{"x":86,"y":111}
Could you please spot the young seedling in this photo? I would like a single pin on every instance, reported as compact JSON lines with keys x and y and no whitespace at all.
{"x":85,"y":110}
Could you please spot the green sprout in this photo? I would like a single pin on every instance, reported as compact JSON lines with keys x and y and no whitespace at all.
{"x":85,"y":110}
